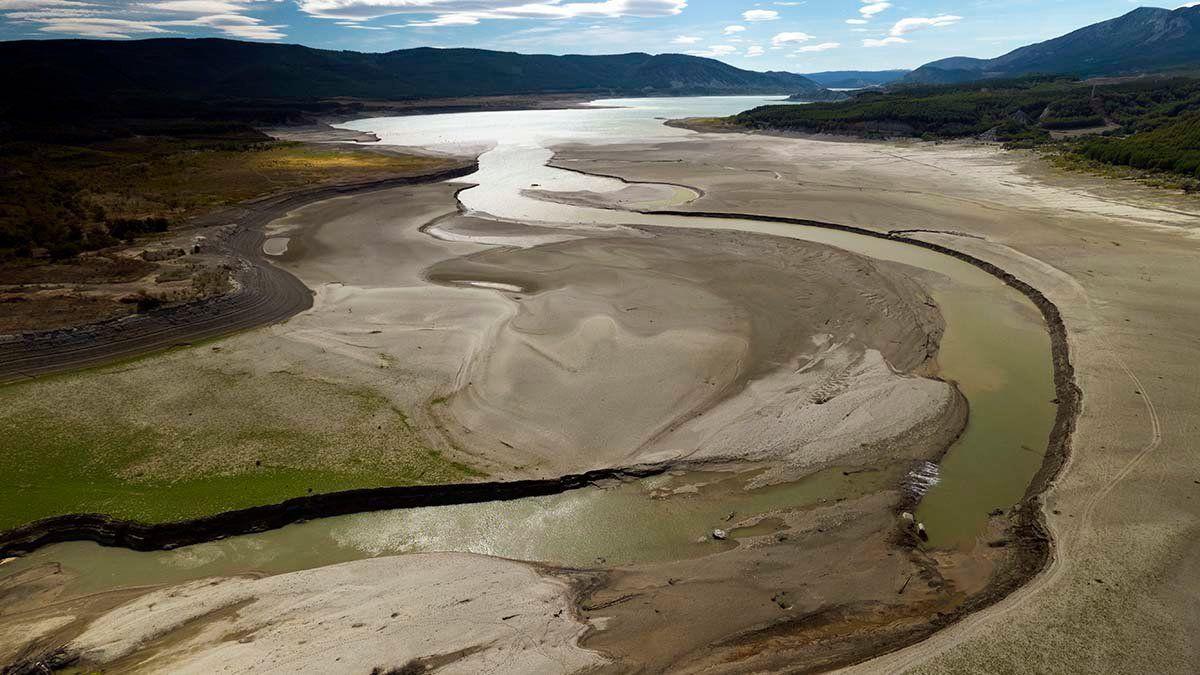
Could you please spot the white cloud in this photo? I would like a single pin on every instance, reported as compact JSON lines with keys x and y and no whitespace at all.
{"x":685,"y":40}
{"x":871,"y":8}
{"x":730,"y":30}
{"x":470,"y":12}
{"x":99,"y":27}
{"x":786,"y":38}
{"x":753,"y":51}
{"x":760,"y":15}
{"x":906,"y":26}
{"x":856,"y":22}
{"x":599,"y":38}
{"x":40,"y":5}
{"x":443,"y":20}
{"x":125,"y":19}
{"x":885,"y":42}
{"x":197,"y":6}
{"x":823,"y":47}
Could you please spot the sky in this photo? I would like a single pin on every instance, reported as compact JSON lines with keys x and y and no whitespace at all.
{"x":797,"y":36}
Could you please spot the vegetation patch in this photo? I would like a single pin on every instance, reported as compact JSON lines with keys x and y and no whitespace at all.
{"x":135,"y":442}
{"x":1172,"y":146}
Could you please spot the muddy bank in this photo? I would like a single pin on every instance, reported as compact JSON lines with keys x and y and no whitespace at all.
{"x":841,"y":634}
{"x":263,"y":294}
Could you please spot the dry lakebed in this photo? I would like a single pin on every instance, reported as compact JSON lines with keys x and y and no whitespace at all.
{"x":655,"y":400}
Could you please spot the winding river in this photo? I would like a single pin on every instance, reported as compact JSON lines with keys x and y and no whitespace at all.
{"x":995,"y":348}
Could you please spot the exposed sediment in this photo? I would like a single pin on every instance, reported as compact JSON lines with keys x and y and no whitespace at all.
{"x":713,"y":327}
{"x":398,"y":614}
{"x":1029,"y":543}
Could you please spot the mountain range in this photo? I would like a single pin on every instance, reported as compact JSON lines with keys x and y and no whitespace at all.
{"x":856,"y":79}
{"x":205,"y":68}
{"x":1148,"y":39}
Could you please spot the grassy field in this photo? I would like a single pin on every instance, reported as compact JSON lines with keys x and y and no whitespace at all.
{"x":132,"y":441}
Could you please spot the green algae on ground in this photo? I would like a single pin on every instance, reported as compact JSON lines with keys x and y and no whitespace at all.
{"x":129,"y":442}
{"x":656,"y":519}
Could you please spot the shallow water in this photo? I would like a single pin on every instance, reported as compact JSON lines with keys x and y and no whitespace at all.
{"x":668,"y":517}
{"x":995,"y":347}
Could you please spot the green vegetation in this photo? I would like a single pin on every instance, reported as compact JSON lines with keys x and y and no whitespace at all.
{"x":1008,"y":108}
{"x":1147,"y":123}
{"x":1172,"y":147}
{"x":61,"y":199}
{"x":133,"y":441}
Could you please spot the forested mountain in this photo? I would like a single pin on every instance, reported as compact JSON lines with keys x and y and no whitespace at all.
{"x":1147,"y":123}
{"x":1146,"y":40}
{"x":203,"y":68}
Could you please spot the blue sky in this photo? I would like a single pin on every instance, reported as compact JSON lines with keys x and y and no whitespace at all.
{"x":799,"y":36}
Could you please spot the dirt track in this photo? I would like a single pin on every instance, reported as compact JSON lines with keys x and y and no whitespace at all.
{"x":264,"y":294}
